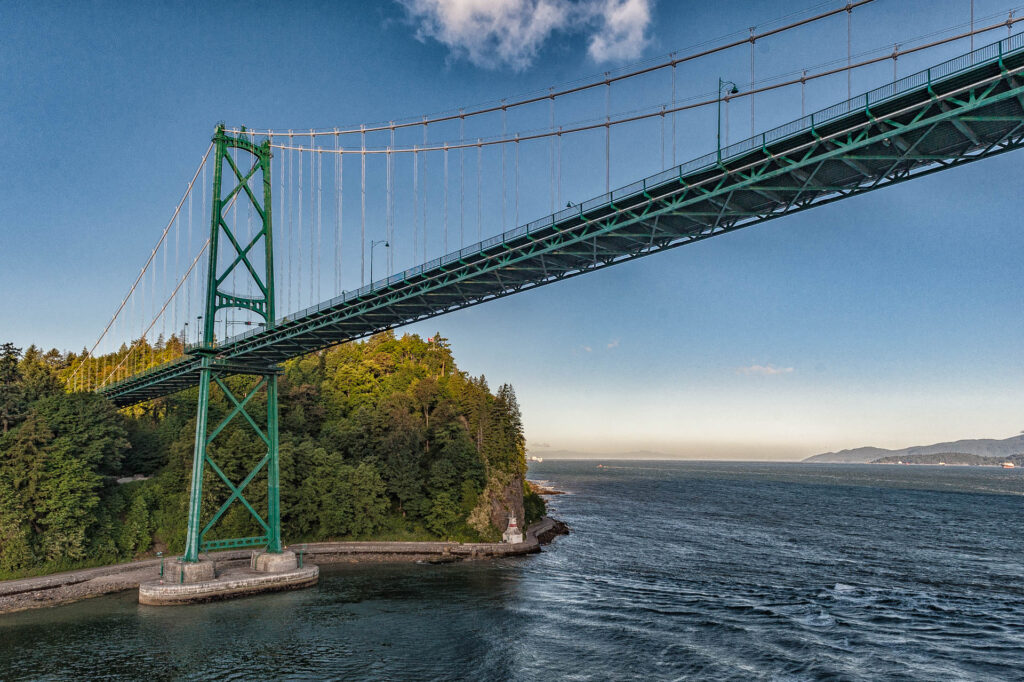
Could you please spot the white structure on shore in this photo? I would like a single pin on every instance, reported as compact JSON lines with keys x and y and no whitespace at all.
{"x":512,"y":534}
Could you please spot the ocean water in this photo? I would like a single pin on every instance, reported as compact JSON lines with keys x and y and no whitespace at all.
{"x":673,"y":570}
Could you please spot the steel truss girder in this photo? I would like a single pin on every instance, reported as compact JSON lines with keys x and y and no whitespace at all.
{"x":891,"y":144}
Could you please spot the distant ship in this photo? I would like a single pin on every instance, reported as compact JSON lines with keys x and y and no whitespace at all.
{"x":1007,"y":465}
{"x":535,"y":459}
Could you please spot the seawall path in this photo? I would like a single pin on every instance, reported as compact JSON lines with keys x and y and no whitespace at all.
{"x":70,"y":586}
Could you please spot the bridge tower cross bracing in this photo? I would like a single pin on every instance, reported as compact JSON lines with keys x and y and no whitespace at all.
{"x":242,"y":258}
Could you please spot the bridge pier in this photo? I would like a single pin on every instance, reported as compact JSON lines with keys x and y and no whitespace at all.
{"x":193,"y":582}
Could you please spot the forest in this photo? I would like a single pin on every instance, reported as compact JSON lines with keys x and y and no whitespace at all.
{"x":380,"y":439}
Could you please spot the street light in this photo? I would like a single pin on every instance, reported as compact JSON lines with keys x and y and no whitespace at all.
{"x":732,"y":91}
{"x":374,"y":243}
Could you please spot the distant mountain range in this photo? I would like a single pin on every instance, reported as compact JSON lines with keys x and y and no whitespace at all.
{"x":986,"y":447}
{"x":952,"y":458}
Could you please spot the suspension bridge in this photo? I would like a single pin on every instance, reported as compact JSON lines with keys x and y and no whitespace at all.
{"x":955,"y":112}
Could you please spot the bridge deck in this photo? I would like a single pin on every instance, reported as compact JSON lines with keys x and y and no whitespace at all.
{"x":960,"y":111}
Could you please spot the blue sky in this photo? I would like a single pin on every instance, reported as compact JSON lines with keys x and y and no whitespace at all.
{"x":890,"y":319}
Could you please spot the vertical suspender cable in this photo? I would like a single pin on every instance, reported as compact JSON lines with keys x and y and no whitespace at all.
{"x":504,"y":181}
{"x":131,"y":331}
{"x":250,"y":207}
{"x":391,"y":204}
{"x":163,"y":289}
{"x":248,"y":236}
{"x":387,"y":208}
{"x":415,"y":204}
{"x":234,"y":226}
{"x":152,"y":309}
{"x":444,"y":238}
{"x":312,"y":219}
{"x":298,"y":239}
{"x":895,"y":54}
{"x":179,"y":301}
{"x":607,"y":133}
{"x":558,"y":163}
{"x":319,"y":223}
{"x":551,"y":154}
{"x":752,"y":132}
{"x":188,"y":250}
{"x":280,"y":206}
{"x":177,"y":259}
{"x":849,"y":50}
{"x":516,"y":222}
{"x":425,"y":158}
{"x":479,"y":193}
{"x":288,"y":241}
{"x":462,"y":181}
{"x":362,"y":206}
{"x":673,"y":107}
{"x":337,"y":214}
{"x":198,"y":280}
{"x":972,"y":25}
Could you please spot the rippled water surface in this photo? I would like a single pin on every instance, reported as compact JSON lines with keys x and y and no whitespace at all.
{"x":704,"y":571}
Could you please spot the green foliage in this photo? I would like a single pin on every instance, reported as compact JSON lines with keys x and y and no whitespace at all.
{"x":380,"y":439}
{"x":443,"y":514}
{"x":12,"y":390}
{"x":533,"y":504}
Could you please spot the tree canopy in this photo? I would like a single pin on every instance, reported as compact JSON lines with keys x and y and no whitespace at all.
{"x":384,"y":438}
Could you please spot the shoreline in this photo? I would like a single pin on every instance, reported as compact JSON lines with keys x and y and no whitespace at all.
{"x":58,"y":589}
{"x":542,"y":489}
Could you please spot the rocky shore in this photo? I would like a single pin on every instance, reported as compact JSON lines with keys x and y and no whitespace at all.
{"x":540,"y":489}
{"x":71,"y":586}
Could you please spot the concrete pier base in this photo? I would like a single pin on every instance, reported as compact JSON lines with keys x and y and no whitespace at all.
{"x":191,"y":583}
{"x":188,"y":572}
{"x":275,"y":563}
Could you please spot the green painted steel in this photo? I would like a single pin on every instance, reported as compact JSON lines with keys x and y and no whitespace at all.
{"x":957,"y":112}
{"x":210,"y":370}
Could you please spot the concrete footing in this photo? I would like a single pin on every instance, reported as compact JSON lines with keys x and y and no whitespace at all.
{"x":190,"y":583}
{"x":188,"y":572}
{"x":275,"y":563}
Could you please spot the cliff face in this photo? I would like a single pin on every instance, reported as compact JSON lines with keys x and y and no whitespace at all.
{"x":509,"y":500}
{"x":502,"y":496}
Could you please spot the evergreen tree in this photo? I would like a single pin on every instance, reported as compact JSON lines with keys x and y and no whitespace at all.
{"x":12,"y":401}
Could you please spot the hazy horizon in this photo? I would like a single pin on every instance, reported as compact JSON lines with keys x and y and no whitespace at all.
{"x":721,"y":452}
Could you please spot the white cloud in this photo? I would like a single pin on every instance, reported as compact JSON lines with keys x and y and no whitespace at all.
{"x":614,"y":343}
{"x":622,"y":33}
{"x":764,"y":370}
{"x":494,"y":33}
{"x":587,"y":348}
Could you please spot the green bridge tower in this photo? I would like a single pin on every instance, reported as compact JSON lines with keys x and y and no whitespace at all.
{"x":253,"y":256}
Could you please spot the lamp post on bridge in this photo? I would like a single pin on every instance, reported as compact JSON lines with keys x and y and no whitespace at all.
{"x":373,"y":244}
{"x":732,"y":91}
